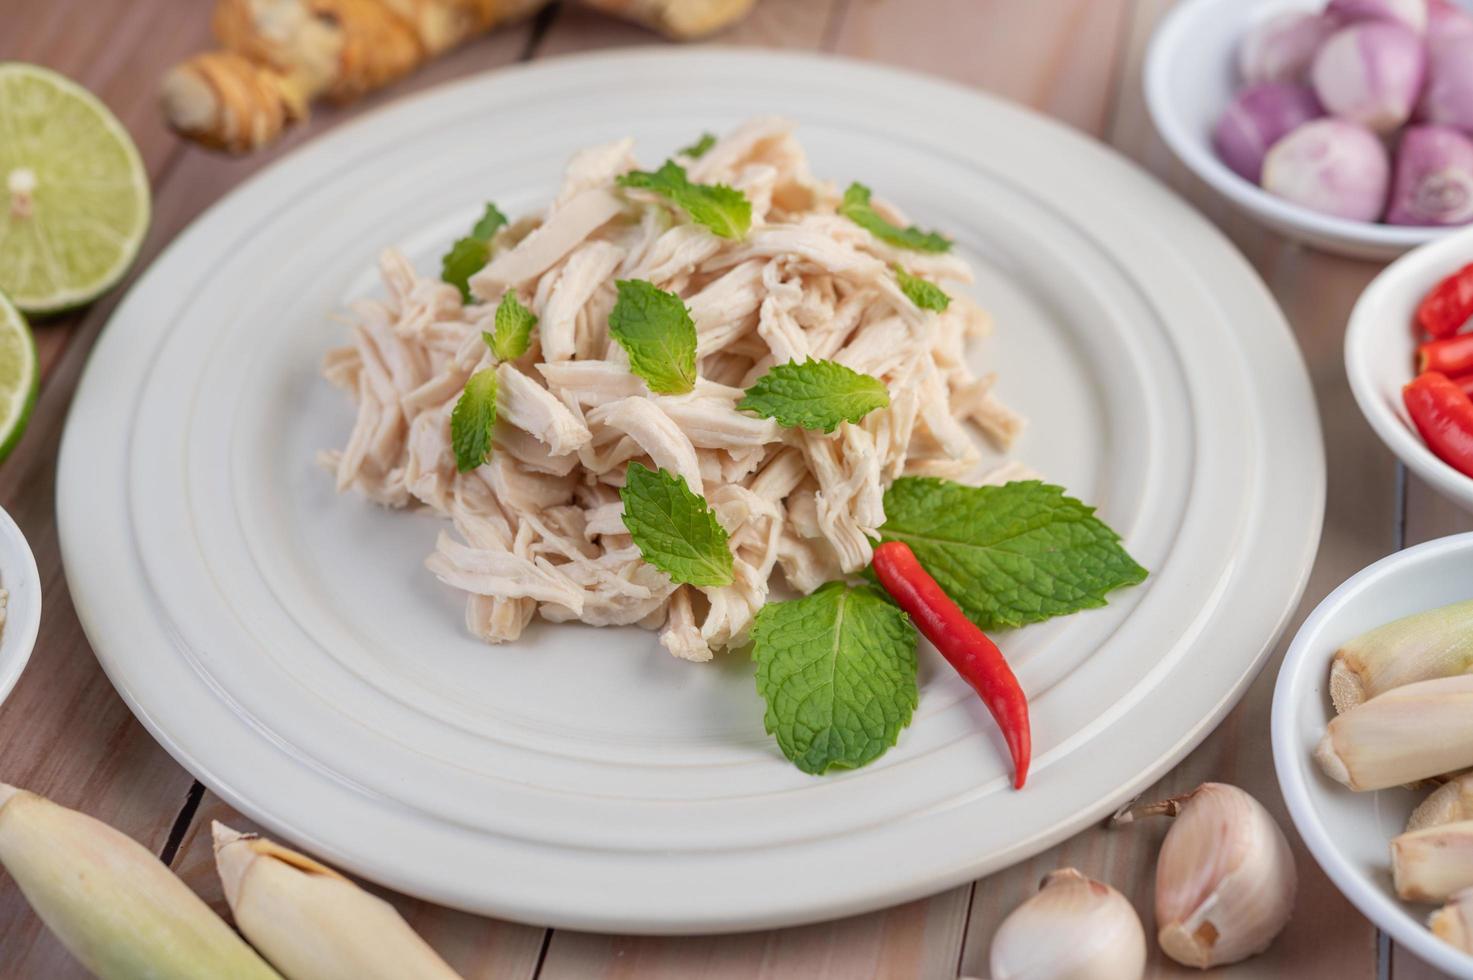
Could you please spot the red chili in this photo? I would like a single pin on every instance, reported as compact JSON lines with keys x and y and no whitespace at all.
{"x":1443,"y":311}
{"x":1465,"y":382}
{"x":964,"y":646}
{"x":1444,"y":416}
{"x":1452,"y":356}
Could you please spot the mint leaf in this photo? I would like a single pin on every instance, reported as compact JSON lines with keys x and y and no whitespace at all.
{"x":513,"y":330}
{"x":722,"y":209}
{"x":926,"y":295}
{"x":656,"y":331}
{"x":814,"y":395}
{"x":1010,"y":555}
{"x":856,"y":208}
{"x":838,"y":672}
{"x":675,"y":530}
{"x":473,"y":420}
{"x":699,"y":148}
{"x":470,"y":254}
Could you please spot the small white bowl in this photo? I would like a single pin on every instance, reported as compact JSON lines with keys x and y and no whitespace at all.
{"x":1349,"y":833}
{"x":1380,"y":350}
{"x":18,"y":577}
{"x":1191,"y":75}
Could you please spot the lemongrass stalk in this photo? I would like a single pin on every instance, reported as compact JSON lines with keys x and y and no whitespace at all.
{"x":1449,"y":803}
{"x":1408,"y":733}
{"x":1435,"y":643}
{"x":313,"y":923}
{"x":1433,"y":864}
{"x":1453,"y":923}
{"x":111,"y":902}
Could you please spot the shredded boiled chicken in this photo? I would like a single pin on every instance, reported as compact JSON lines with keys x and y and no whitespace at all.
{"x":538,"y":528}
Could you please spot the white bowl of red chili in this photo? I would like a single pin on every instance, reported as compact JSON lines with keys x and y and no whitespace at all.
{"x":1387,"y":344}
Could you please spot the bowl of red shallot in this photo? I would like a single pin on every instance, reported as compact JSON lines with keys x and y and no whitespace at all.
{"x":1344,"y":124}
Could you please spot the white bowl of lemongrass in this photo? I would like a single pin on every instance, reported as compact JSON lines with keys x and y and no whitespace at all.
{"x":20,"y":603}
{"x":1372,"y":724}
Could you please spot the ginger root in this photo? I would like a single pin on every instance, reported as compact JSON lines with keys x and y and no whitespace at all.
{"x":278,"y":56}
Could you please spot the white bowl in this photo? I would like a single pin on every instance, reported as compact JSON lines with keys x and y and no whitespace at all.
{"x":1191,"y":76}
{"x":18,"y":576}
{"x":1380,"y":348}
{"x":1349,"y":833}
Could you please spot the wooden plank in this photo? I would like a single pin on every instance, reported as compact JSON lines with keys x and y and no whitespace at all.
{"x":1054,"y":55}
{"x":772,"y":23}
{"x":1327,"y":937}
{"x":477,"y":948}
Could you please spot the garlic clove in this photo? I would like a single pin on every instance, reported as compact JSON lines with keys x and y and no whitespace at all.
{"x":1449,"y":803}
{"x":1425,"y":645}
{"x":1432,"y":864}
{"x":1075,"y":928}
{"x":1225,"y":879}
{"x":1453,"y":923}
{"x":1408,"y":733}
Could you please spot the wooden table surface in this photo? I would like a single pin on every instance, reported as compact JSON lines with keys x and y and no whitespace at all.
{"x":66,"y":733}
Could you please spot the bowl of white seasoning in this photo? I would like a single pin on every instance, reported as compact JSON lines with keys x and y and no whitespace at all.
{"x":20,"y":603}
{"x":1349,"y":833}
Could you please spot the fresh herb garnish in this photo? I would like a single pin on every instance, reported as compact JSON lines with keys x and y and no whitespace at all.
{"x":814,"y":395}
{"x":722,"y":209}
{"x":656,"y":331}
{"x":675,"y":530}
{"x":926,"y":295}
{"x":1010,"y":555}
{"x":699,"y":148}
{"x":470,"y":254}
{"x":513,"y":330}
{"x":473,"y":420}
{"x":857,"y":208}
{"x":838,"y":672}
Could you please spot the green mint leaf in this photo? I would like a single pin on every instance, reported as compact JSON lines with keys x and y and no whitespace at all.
{"x":1009,"y":555}
{"x":674,"y":529}
{"x":473,"y":420}
{"x":513,"y":331}
{"x":926,"y":295}
{"x":722,"y":209}
{"x":856,"y":208}
{"x":656,"y":331}
{"x":470,"y":254}
{"x":699,"y":148}
{"x":814,"y":395}
{"x":838,"y":672}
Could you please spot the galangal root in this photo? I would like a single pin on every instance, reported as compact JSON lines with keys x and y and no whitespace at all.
{"x":279,"y":56}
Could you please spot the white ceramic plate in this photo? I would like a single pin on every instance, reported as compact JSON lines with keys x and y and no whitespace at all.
{"x":1349,"y":833}
{"x":287,"y":646}
{"x":1380,"y":354}
{"x":1191,"y":76}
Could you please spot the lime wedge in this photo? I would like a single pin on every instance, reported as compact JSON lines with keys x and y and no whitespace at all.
{"x":74,"y":203}
{"x":19,"y":375}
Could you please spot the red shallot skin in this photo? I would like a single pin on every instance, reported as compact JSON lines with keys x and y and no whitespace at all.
{"x":1411,"y":13}
{"x":1447,"y":97}
{"x":1433,"y":184}
{"x":1281,"y":48}
{"x":1332,"y":166}
{"x":1371,"y":73}
{"x":1258,"y":118}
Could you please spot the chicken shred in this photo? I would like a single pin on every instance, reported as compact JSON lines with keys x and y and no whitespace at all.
{"x":538,"y":528}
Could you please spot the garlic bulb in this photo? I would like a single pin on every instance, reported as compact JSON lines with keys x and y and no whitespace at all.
{"x":1075,"y":928}
{"x":1225,"y":878}
{"x":1453,"y":923}
{"x":1449,"y":803}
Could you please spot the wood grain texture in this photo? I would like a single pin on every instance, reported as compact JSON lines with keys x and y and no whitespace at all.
{"x":477,"y":948}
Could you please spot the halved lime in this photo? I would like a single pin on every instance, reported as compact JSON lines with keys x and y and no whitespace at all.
{"x":74,"y":202}
{"x":19,"y":375}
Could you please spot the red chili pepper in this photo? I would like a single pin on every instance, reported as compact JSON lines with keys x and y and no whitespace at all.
{"x":1465,"y":382}
{"x":1452,"y":356}
{"x":1444,"y":416}
{"x":1443,"y":311}
{"x":964,"y":646}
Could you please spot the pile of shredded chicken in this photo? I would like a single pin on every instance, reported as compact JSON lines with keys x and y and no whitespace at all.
{"x":538,"y":527}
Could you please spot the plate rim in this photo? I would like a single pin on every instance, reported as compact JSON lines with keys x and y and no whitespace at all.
{"x":1312,"y":476}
